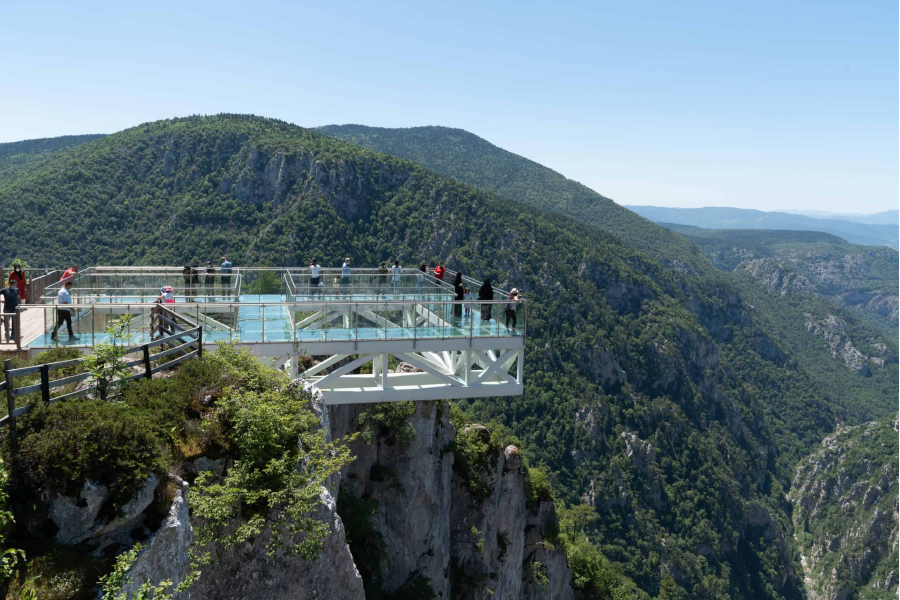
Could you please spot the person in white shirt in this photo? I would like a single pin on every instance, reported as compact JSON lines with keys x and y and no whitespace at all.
{"x":63,"y":297}
{"x":396,"y":270}
{"x":315,"y":276}
{"x":345,"y":275}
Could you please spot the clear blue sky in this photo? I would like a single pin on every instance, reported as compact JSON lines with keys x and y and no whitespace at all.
{"x":754,"y":104}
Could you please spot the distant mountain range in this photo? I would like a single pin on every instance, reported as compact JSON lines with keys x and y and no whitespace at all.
{"x":713,"y":217}
{"x":887,"y":217}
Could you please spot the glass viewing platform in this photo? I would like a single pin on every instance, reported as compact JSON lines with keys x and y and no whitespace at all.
{"x":281,"y":313}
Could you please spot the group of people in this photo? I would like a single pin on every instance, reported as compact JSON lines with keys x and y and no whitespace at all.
{"x":15,"y":293}
{"x":192,"y":283}
{"x":390,"y":279}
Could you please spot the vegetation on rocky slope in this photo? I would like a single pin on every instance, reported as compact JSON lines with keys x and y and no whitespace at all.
{"x":661,"y":399}
{"x":226,"y":406}
{"x":845,"y":513}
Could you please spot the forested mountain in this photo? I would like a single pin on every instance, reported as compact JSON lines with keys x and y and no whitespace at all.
{"x":842,"y":344}
{"x":464,"y":156}
{"x":720,"y":217}
{"x":661,"y":398}
{"x":845,"y":513}
{"x":861,"y":277}
{"x":15,"y":155}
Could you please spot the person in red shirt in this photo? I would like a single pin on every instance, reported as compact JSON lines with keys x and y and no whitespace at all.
{"x":18,"y":275}
{"x":69,"y":273}
{"x":439,"y":270}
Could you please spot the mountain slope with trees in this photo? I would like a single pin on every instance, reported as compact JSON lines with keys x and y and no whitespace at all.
{"x":15,"y":156}
{"x":465,"y":156}
{"x":664,"y":401}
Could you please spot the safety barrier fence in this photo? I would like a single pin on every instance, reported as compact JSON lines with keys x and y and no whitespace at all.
{"x":317,"y":320}
{"x":184,"y":343}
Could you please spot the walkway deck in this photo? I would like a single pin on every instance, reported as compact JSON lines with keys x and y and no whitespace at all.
{"x":365,"y":318}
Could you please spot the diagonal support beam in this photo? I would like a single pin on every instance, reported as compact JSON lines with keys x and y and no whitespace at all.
{"x":337,"y":373}
{"x":430,"y":368}
{"x":494,"y":367}
{"x":332,"y":360}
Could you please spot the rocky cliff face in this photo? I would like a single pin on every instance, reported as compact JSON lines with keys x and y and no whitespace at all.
{"x":846,"y":513}
{"x":416,"y":527}
{"x":434,"y":534}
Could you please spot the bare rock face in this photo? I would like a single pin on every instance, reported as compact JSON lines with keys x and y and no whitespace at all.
{"x":776,"y":278}
{"x":411,"y":487}
{"x":79,"y":518}
{"x":499,"y":547}
{"x":834,"y":331}
{"x":165,"y":555}
{"x":435,"y":532}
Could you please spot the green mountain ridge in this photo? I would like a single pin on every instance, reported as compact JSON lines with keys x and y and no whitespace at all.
{"x":653,"y":390}
{"x":818,"y":326}
{"x":465,"y":156}
{"x":15,"y":156}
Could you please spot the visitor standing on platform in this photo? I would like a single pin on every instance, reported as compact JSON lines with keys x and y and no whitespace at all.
{"x":315,"y":277}
{"x":439,"y":270}
{"x":345,"y":276}
{"x":467,"y":297}
{"x":486,"y":293}
{"x":225,"y":273}
{"x":396,"y":271}
{"x":64,"y":297}
{"x":167,"y":295}
{"x":69,"y":273}
{"x":17,"y":275}
{"x":209,"y":281}
{"x":10,"y":296}
{"x":512,"y":305}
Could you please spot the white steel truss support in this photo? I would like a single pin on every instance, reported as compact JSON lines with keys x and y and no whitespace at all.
{"x":442,"y":375}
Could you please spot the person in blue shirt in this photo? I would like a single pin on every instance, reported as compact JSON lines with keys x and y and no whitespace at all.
{"x":63,"y":297}
{"x":225,"y":272}
{"x":10,"y":303}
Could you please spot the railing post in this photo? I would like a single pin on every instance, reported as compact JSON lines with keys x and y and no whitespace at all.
{"x":147,"y":368}
{"x":45,"y":383}
{"x":199,"y":342}
{"x":10,"y":400}
{"x":17,"y":323}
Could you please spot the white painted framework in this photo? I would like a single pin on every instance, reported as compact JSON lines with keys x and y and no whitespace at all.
{"x":443,"y":375}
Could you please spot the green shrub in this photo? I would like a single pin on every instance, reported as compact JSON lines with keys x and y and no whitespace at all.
{"x":471,"y":460}
{"x":67,"y":442}
{"x":389,"y":420}
{"x":265,"y":418}
{"x":537,"y":486}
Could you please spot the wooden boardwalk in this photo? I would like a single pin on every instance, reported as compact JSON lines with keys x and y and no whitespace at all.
{"x":31,"y":321}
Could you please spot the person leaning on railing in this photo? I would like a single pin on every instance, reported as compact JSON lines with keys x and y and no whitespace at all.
{"x":10,"y":296}
{"x":512,"y":305}
{"x":63,"y":297}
